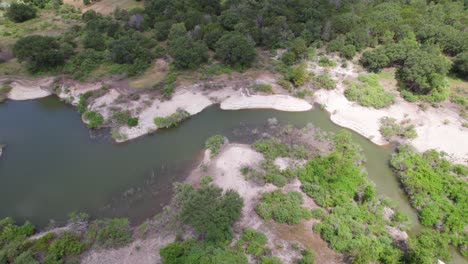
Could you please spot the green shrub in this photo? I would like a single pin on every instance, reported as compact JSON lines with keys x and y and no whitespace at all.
{"x":172,"y":120}
{"x":66,"y":245}
{"x":111,"y":233}
{"x":308,"y":257}
{"x":270,"y":260}
{"x":261,"y":87}
{"x":436,"y":190}
{"x":326,"y":62}
{"x":26,"y":258}
{"x":389,"y":128}
{"x":19,"y":12}
{"x":281,"y":207}
{"x":318,"y":213}
{"x":4,"y":90}
{"x":369,"y":92}
{"x":132,"y":121}
{"x":121,"y":117}
{"x":9,"y":231}
{"x":193,"y":251}
{"x":214,"y":144}
{"x":253,"y":242}
{"x":324,"y":81}
{"x":209,"y":210}
{"x":94,"y":119}
{"x":83,"y":101}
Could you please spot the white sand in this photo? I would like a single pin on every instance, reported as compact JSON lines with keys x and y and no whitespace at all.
{"x":451,"y":138}
{"x":277,"y":102}
{"x":27,"y":89}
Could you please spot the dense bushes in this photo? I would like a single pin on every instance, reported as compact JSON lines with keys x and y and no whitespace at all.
{"x":19,"y":12}
{"x":172,"y":120}
{"x":282,"y":207}
{"x":324,"y":81}
{"x":208,"y":210}
{"x":236,"y":50}
{"x":369,"y":92}
{"x":253,"y":243}
{"x":40,"y":52}
{"x":437,"y":189}
{"x":195,"y":252}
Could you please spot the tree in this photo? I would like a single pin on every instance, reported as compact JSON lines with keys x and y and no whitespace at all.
{"x":94,"y":40}
{"x":208,"y":210}
{"x":41,"y":52}
{"x":236,"y":50}
{"x":187,"y":53}
{"x":18,"y":12}
{"x":423,"y":71}
{"x":375,"y":60}
{"x":460,"y":64}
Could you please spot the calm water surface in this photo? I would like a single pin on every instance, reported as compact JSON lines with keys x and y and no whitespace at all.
{"x":51,"y":166}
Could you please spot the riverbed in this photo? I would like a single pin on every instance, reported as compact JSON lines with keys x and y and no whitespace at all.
{"x":52,"y":165}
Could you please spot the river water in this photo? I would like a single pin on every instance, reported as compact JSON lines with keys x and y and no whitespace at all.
{"x":51,"y":166}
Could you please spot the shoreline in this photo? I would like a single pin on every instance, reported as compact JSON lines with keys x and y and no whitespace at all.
{"x":434,"y":131}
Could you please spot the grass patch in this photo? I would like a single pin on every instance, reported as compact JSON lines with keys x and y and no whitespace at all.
{"x":172,"y":120}
{"x":389,"y":128}
{"x":254,"y":243}
{"x":214,"y":144}
{"x":324,"y":81}
{"x":261,"y":87}
{"x":110,"y":233}
{"x":324,"y":61}
{"x":369,"y":92}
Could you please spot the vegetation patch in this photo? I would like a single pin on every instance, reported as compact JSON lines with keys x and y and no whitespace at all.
{"x":282,"y":207}
{"x":368,"y":92}
{"x":4,"y":90}
{"x":172,"y":120}
{"x":209,"y":210}
{"x":93,"y":118}
{"x":324,"y":61}
{"x":214,"y":144}
{"x":324,"y":81}
{"x":389,"y":128}
{"x":110,"y":233}
{"x":253,"y":243}
{"x":437,"y":189}
{"x":261,"y":87}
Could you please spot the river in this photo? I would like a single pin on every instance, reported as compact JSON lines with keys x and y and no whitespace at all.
{"x":51,"y":166}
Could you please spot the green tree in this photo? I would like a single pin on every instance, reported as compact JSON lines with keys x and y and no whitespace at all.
{"x":236,"y":50}
{"x":423,"y":71}
{"x":460,"y":64}
{"x":375,"y":60}
{"x":41,"y":52}
{"x":18,"y":12}
{"x":187,"y":53}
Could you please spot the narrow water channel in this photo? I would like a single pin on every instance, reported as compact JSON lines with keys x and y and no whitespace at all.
{"x":51,"y":166}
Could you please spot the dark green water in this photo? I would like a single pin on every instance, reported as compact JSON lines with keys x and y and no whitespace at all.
{"x":51,"y":166}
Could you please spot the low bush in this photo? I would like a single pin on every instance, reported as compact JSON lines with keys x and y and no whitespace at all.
{"x":281,"y":207}
{"x":93,"y":118}
{"x":326,"y":62}
{"x":261,"y":87}
{"x":194,"y":251}
{"x":254,"y":243}
{"x":214,"y":144}
{"x":4,"y":90}
{"x":66,"y":245}
{"x":324,"y":81}
{"x":318,"y":213}
{"x":389,"y":128}
{"x":121,"y":117}
{"x":369,"y":92}
{"x":19,"y":12}
{"x":132,"y":121}
{"x":172,"y":120}
{"x":308,"y":257}
{"x":110,"y":233}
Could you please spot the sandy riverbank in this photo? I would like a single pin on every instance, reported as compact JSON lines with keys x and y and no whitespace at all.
{"x":27,"y":89}
{"x":437,"y":128}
